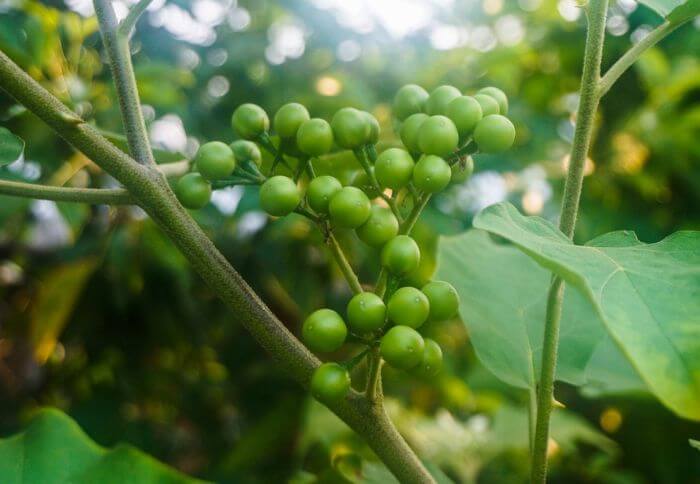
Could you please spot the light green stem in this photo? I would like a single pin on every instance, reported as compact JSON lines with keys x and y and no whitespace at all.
{"x":588,"y":104}
{"x":126,"y":26}
{"x":343,"y":263}
{"x":97,"y":196}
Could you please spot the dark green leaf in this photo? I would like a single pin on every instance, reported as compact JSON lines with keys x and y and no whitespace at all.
{"x":11,"y":147}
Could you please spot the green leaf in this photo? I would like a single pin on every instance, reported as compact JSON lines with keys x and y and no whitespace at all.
{"x":11,"y":147}
{"x":647,"y":295}
{"x":676,"y":11}
{"x":502,"y":301}
{"x":54,"y":449}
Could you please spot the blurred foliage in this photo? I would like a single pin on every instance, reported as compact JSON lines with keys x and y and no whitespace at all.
{"x":139,"y":350}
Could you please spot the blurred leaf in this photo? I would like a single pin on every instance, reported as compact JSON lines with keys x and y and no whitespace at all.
{"x":648,"y":295}
{"x":674,"y":10}
{"x":59,"y":291}
{"x":11,"y":147}
{"x":502,"y":301}
{"x":161,"y":156}
{"x":694,"y":443}
{"x":54,"y":449}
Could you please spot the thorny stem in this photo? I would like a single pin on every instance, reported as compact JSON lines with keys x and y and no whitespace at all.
{"x":588,"y":104}
{"x":116,"y":43}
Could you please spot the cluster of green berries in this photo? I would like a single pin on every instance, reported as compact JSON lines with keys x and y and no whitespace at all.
{"x":439,"y":131}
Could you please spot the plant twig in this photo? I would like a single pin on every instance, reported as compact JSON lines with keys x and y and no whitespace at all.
{"x":96,"y":196}
{"x":117,"y":47}
{"x":343,"y":263}
{"x":588,"y":104}
{"x":361,"y":156}
{"x":127,"y":25}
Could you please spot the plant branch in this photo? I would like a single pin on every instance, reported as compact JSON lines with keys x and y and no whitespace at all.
{"x":116,"y":45}
{"x":631,"y":56}
{"x":97,"y":196}
{"x":127,"y":25}
{"x":342,"y":262}
{"x":588,"y":104}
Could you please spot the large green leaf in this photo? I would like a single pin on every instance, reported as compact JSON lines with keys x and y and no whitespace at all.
{"x":647,"y":295}
{"x":54,"y":449}
{"x":675,"y":11}
{"x":502,"y":301}
{"x":11,"y":147}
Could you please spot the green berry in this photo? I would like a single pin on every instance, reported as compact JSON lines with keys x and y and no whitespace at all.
{"x":320,"y":191}
{"x":351,"y":128}
{"x":279,"y":196}
{"x":315,"y":137}
{"x":408,"y":307}
{"x":402,"y":347}
{"x":440,"y":98}
{"x":438,"y":136}
{"x":394,"y":168}
{"x":499,"y":96}
{"x":488,"y":104}
{"x":401,"y":255}
{"x":246,"y":151}
{"x":380,"y":227}
{"x":465,"y":112}
{"x":215,"y":160}
{"x":193,"y":191}
{"x":373,"y":136}
{"x":324,"y":331}
{"x":330,"y":383}
{"x":410,"y":129}
{"x":431,"y":364}
{"x":444,"y":300}
{"x":288,"y":118}
{"x":250,"y":121}
{"x":462,"y":173}
{"x":366,"y":313}
{"x":494,"y":134}
{"x":431,"y":174}
{"x":410,"y":99}
{"x":349,"y":208}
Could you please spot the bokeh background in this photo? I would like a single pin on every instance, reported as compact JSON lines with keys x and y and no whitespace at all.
{"x":102,"y":317}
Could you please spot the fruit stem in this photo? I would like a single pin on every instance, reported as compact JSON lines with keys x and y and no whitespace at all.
{"x":364,"y":161}
{"x":342,"y":262}
{"x":410,"y":222}
{"x":588,"y":105}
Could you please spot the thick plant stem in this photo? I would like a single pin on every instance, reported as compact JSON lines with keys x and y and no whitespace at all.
{"x":150,"y":190}
{"x":588,"y":104}
{"x":96,"y":196}
{"x":116,"y":45}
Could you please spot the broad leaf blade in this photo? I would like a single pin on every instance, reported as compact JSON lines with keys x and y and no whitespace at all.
{"x":11,"y":147}
{"x":675,"y":11}
{"x":54,"y":449}
{"x":502,"y":301}
{"x":647,"y":295}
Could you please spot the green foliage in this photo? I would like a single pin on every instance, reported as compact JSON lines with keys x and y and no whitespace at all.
{"x":11,"y":146}
{"x":54,"y":449}
{"x":675,"y":11}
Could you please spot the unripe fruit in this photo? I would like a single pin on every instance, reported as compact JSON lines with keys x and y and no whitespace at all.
{"x":409,"y":131}
{"x":488,"y":104}
{"x":408,"y":307}
{"x":349,"y":208}
{"x":431,"y":364}
{"x":410,"y":99}
{"x":402,"y":347}
{"x":499,"y":96}
{"x":401,"y":255}
{"x":373,"y":136}
{"x":288,"y":118}
{"x":380,"y":227}
{"x":465,"y":112}
{"x":324,"y":331}
{"x":438,"y":136}
{"x":279,"y":196}
{"x":461,"y":174}
{"x":250,"y":121}
{"x":444,"y":300}
{"x":246,"y":151}
{"x":330,"y":383}
{"x":494,"y":134}
{"x":431,"y":174}
{"x":351,"y":128}
{"x":315,"y":137}
{"x":439,"y":99}
{"x":320,"y":191}
{"x":393,"y":168}
{"x":215,"y":160}
{"x":366,"y":313}
{"x":193,"y":191}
